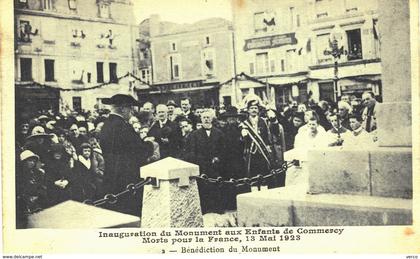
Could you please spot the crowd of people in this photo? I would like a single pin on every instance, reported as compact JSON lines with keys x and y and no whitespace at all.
{"x":83,"y":155}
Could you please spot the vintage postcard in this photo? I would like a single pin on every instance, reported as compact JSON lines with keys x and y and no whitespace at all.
{"x":209,"y":127}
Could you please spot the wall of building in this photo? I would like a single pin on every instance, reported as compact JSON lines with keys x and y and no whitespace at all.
{"x":75,"y":54}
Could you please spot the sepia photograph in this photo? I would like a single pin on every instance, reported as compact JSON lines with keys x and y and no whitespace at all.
{"x":210,"y":126}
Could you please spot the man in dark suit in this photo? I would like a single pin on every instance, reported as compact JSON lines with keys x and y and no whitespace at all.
{"x":257,"y":161}
{"x":124,"y":153}
{"x":186,"y":109}
{"x":166,"y":133}
{"x":206,"y":149}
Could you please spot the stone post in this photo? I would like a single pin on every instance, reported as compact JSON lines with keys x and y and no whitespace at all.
{"x":174,"y":200}
{"x":394,"y":114}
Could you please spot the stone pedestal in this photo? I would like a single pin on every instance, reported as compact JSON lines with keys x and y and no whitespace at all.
{"x":174,"y":201}
{"x":76,"y":215}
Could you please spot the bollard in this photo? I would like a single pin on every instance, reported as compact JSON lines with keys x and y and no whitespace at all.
{"x":174,"y":200}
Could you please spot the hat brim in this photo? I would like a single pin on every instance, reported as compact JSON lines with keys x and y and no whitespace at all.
{"x":39,"y":135}
{"x":127,"y":100}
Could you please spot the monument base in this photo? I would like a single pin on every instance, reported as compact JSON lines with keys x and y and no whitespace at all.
{"x":292,"y":206}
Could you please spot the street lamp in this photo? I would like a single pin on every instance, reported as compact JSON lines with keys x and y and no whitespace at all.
{"x":336,"y":52}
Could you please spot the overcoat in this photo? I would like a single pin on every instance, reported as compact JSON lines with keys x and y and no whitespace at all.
{"x":124,"y":153}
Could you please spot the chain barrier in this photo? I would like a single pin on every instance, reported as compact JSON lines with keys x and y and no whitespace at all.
{"x":257,"y":180}
{"x":111,"y":198}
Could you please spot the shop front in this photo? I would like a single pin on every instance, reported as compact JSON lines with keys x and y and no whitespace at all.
{"x":201,"y":93}
{"x":29,"y":100}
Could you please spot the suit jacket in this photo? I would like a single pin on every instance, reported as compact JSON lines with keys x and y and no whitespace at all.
{"x":170,"y":132}
{"x":202,"y":149}
{"x":124,"y":153}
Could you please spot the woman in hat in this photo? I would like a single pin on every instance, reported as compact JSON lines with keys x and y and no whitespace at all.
{"x":58,"y":174}
{"x":39,"y":142}
{"x":30,"y":184}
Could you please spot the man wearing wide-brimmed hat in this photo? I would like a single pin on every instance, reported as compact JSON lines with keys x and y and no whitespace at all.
{"x":124,"y":153}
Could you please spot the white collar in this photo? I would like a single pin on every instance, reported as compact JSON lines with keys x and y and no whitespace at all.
{"x":84,"y":161}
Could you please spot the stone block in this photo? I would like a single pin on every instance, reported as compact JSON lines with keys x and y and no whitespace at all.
{"x":289,"y":207}
{"x":338,"y":171}
{"x":76,"y":215}
{"x":266,"y":208}
{"x":351,"y":210}
{"x":394,"y":124}
{"x":391,"y":172}
{"x":174,"y":201}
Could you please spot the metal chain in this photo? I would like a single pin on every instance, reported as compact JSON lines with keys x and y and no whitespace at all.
{"x":257,"y":180}
{"x":111,"y":198}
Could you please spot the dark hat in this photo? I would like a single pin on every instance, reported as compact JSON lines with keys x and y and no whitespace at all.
{"x":120,"y":100}
{"x":57,"y":148}
{"x":85,"y":145}
{"x":232,"y":111}
{"x":299,"y":115}
{"x":171,"y":103}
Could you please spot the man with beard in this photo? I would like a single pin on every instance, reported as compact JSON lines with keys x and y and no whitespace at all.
{"x":206,"y":149}
{"x":124,"y":153}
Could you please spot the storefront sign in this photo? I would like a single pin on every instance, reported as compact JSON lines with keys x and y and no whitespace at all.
{"x":270,"y":41}
{"x":180,"y":85}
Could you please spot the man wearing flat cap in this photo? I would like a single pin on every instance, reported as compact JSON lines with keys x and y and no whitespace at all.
{"x":124,"y":153}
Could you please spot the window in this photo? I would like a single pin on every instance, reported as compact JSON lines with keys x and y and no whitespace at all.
{"x":272,"y":66}
{"x":227,"y":101}
{"x":251,"y":68}
{"x":48,"y":5}
{"x":290,"y":56}
{"x":321,"y":15}
{"x":297,"y":20}
{"x":173,"y":46}
{"x":322,"y":43}
{"x":72,"y":4}
{"x":354,"y":44}
{"x":207,"y":40}
{"x":26,"y":69}
{"x":208,"y":62}
{"x":292,"y":17}
{"x":326,"y":91}
{"x":259,"y":24}
{"x":113,"y":78}
{"x":49,"y":70}
{"x":174,"y":67}
{"x":89,"y":77}
{"x":264,"y":21}
{"x":262,"y":63}
{"x":104,"y":10}
{"x":100,"y":72}
{"x":77,"y":103}
{"x":282,"y":65}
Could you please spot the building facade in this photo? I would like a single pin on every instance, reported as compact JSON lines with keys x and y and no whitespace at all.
{"x":72,"y":45}
{"x":283,"y":45}
{"x":191,"y":60}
